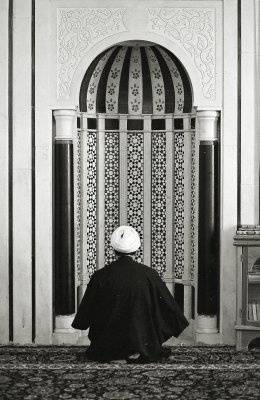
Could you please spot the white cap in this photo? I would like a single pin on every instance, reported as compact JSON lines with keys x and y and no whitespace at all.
{"x":125,"y":239}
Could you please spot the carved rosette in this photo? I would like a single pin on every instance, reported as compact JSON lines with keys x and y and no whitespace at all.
{"x":194,"y":30}
{"x":79,"y":29}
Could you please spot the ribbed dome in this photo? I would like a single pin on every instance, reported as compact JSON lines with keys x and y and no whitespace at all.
{"x":136,"y":80}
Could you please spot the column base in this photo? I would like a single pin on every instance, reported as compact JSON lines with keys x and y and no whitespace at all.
{"x":207,"y":331}
{"x":64,"y":333}
{"x":208,"y":338}
{"x":83,"y":339}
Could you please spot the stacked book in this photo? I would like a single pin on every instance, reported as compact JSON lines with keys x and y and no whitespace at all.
{"x":254,"y":310}
{"x":248,"y":230}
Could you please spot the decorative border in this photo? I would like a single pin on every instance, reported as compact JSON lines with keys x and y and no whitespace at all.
{"x":111,"y":191}
{"x":135,"y":185}
{"x":178,"y":204}
{"x":158,"y":215}
{"x":193,"y":206}
{"x":78,"y":30}
{"x":90,"y":202}
{"x":194,"y":29}
{"x":78,"y":207}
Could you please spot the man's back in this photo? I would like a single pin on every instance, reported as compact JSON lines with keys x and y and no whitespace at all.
{"x":129,"y":309}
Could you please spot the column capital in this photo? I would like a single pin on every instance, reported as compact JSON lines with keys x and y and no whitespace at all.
{"x":64,"y":118}
{"x":207,"y":125}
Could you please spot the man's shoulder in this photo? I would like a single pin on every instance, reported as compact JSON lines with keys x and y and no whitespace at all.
{"x":128,"y":262}
{"x":146,"y":269}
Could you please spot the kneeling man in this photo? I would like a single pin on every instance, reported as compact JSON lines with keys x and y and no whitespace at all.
{"x":128,"y":308}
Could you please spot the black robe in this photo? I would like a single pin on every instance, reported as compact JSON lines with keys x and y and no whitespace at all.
{"x":128,"y":309}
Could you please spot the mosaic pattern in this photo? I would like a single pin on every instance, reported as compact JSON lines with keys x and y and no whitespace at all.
{"x":111,"y":191}
{"x":193,"y":205}
{"x":159,"y":202}
{"x":177,"y":82}
{"x":78,"y":207}
{"x":113,"y":82}
{"x":178,"y":240}
{"x":135,"y":85}
{"x":135,"y":185}
{"x":142,"y":71}
{"x":135,"y":198}
{"x":157,"y":82}
{"x":94,"y":82}
{"x":90,"y":201}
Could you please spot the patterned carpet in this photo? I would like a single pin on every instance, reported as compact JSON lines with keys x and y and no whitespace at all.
{"x":42,"y":372}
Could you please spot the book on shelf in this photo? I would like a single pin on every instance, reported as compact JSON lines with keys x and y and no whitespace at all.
{"x":254,"y":277}
{"x":253,"y":310}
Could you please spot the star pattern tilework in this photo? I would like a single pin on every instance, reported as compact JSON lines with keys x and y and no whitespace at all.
{"x":111,"y":191}
{"x":135,"y":185}
{"x":159,"y":202}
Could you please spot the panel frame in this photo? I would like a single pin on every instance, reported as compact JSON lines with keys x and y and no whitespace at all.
{"x":147,"y":132}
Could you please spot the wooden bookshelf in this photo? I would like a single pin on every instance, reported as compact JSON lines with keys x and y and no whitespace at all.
{"x":247,"y":242}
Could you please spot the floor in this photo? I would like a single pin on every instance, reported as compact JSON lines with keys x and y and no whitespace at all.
{"x":62,"y":372}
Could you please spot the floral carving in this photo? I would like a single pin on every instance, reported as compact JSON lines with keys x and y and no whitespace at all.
{"x":111,"y":104}
{"x":92,"y":87}
{"x":135,"y":90}
{"x":159,"y":89}
{"x":136,"y":73}
{"x":115,"y":73}
{"x":135,"y":105}
{"x":194,"y":29}
{"x":79,"y":29}
{"x":111,"y":89}
{"x":160,"y":105}
{"x":157,"y":73}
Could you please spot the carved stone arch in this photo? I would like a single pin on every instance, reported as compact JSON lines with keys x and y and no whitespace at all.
{"x":89,"y":56}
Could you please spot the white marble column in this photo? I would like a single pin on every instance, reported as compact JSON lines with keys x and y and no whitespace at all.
{"x":4,"y":250}
{"x":250,"y":142}
{"x":208,"y":258}
{"x":22,"y":173}
{"x":64,"y":246}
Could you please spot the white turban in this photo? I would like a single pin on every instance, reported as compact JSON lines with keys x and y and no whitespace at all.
{"x":125,"y":239}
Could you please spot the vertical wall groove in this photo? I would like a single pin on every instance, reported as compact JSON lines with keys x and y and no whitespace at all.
{"x":33,"y":164}
{"x":239,"y":117}
{"x":10,"y":163}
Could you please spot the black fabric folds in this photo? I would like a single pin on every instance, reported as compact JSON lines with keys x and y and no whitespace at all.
{"x":128,"y":309}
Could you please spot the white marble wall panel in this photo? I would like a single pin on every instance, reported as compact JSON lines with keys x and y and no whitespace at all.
{"x":257,"y":79}
{"x":4,"y":262}
{"x":229,"y":177}
{"x":135,"y":21}
{"x":43,"y":176}
{"x":22,"y":190}
{"x":249,"y":131}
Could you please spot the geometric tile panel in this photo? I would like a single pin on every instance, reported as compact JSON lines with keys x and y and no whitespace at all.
{"x":178,"y":209}
{"x":90,"y":201}
{"x":193,"y":205}
{"x":111,"y":190}
{"x":78,"y":207}
{"x":159,"y":202}
{"x":135,"y":185}
{"x":136,"y":170}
